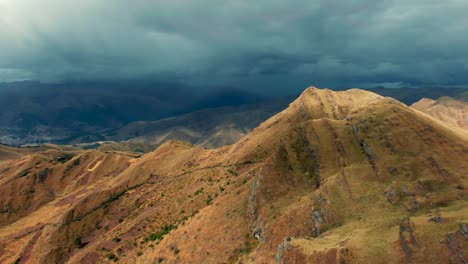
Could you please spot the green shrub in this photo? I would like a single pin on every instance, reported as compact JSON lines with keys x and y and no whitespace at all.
{"x":65,"y":157}
{"x":233,"y":172}
{"x":112,"y":257}
{"x":209,"y":200}
{"x":199,"y":191}
{"x":78,"y":243}
{"x":159,"y":236}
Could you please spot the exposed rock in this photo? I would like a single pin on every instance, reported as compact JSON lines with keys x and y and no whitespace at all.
{"x":281,"y":249}
{"x":314,"y":156}
{"x":256,"y":223}
{"x":391,"y":195}
{"x":366,"y":148}
{"x":317,"y":221}
{"x":434,"y":164}
{"x":305,"y":114}
{"x":252,"y":198}
{"x":456,"y":243}
{"x":413,"y":204}
{"x":437,"y":219}
{"x":464,"y":229}
{"x":320,"y":216}
{"x":339,"y":145}
{"x":407,"y":238}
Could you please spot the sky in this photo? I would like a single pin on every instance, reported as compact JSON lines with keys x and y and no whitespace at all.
{"x":278,"y":46}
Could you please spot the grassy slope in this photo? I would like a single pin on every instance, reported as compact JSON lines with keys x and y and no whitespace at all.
{"x":448,"y":110}
{"x":331,"y":178}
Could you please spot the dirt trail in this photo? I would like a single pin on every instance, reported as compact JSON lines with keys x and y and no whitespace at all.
{"x":95,"y":166}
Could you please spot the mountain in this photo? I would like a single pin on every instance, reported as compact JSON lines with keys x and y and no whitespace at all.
{"x":148,"y":111}
{"x":64,"y":113}
{"x":451,"y":111}
{"x":337,"y":177}
{"x":409,"y":95}
{"x":214,"y":127}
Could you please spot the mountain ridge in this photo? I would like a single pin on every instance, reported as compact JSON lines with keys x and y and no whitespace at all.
{"x":337,"y":176}
{"x":446,"y":109}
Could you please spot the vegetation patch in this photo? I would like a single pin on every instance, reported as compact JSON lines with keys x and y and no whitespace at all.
{"x":160,"y":235}
{"x":112,"y":257}
{"x":43,"y":174}
{"x":233,"y":172}
{"x":209,"y":200}
{"x":65,"y":157}
{"x":199,"y":191}
{"x":78,"y":243}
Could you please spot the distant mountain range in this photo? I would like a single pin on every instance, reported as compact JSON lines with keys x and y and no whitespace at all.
{"x":63,"y":113}
{"x":410,"y":96}
{"x":213,"y":127}
{"x":75,"y":113}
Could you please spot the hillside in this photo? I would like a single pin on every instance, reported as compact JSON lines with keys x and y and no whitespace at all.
{"x":147,"y":112}
{"x":8,"y":153}
{"x":451,"y":111}
{"x":214,"y":127}
{"x":337,"y":177}
{"x":67,"y":113}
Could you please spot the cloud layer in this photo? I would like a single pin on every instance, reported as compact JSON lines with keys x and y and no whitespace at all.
{"x":269,"y":44}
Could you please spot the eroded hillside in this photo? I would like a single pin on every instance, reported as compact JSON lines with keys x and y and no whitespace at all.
{"x":337,"y":177}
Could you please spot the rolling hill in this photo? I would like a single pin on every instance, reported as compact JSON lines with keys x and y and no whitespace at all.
{"x":451,"y":111}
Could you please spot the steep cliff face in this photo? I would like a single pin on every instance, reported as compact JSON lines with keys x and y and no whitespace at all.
{"x":337,"y":177}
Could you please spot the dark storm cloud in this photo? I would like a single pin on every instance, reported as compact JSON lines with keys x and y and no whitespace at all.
{"x":263,"y":43}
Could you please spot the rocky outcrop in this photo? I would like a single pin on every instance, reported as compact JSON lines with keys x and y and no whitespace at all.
{"x":314,"y":158}
{"x":256,"y":224}
{"x":366,"y":149}
{"x":407,"y":239}
{"x":281,"y":250}
{"x":457,"y":244}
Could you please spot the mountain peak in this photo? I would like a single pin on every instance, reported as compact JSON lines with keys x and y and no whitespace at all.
{"x":325,"y":103}
{"x":341,"y":176}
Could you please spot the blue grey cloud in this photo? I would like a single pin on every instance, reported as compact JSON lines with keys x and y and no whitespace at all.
{"x":269,"y":44}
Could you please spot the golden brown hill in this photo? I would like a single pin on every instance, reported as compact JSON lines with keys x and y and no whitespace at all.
{"x":337,"y":177}
{"x":451,"y":111}
{"x":8,"y":153}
